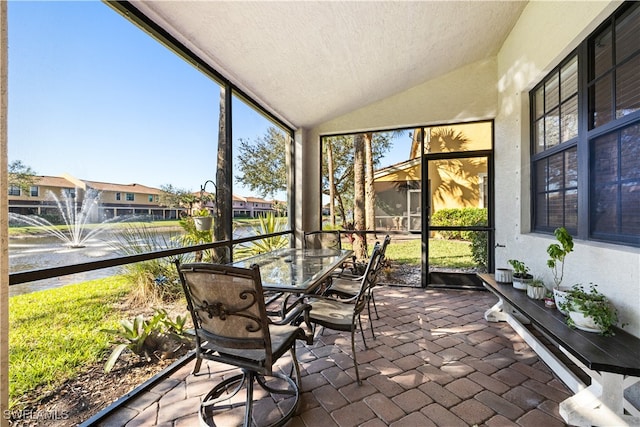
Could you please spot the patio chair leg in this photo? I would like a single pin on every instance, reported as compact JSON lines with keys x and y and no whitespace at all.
{"x":370,"y":320}
{"x":249,"y":405}
{"x":375,"y":307}
{"x":295,"y":367}
{"x":196,"y":367}
{"x":364,"y":341}
{"x":355,"y":361}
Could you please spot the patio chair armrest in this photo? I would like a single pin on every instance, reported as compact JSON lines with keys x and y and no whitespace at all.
{"x":328,"y":298}
{"x":294,"y":312}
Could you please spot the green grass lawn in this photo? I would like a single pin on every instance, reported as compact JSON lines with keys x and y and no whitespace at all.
{"x":442,"y":253}
{"x":54,"y":333}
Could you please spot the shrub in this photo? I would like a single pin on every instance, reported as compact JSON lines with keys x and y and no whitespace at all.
{"x":157,"y":337}
{"x":479,"y":247}
{"x":154,"y":280}
{"x":457,"y":217}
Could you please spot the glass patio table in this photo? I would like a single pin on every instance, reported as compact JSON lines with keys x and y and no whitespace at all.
{"x":295,"y":270}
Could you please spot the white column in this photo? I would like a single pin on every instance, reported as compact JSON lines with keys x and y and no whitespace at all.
{"x":4,"y":234}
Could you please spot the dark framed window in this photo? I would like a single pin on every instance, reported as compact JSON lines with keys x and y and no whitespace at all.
{"x":585,"y":128}
{"x":14,"y":190}
{"x":555,"y":139}
{"x":118,"y":196}
{"x":130,"y":197}
{"x":34,"y":191}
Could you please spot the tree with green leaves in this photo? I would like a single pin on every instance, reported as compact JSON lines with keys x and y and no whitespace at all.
{"x":172,"y":197}
{"x":337,"y":175}
{"x":21,"y":176}
{"x":262,"y":163}
{"x":337,"y":169}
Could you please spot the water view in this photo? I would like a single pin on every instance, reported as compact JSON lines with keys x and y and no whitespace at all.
{"x":33,"y":253}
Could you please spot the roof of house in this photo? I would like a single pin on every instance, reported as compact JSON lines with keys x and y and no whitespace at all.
{"x":53,"y":181}
{"x":396,"y":168}
{"x":124,"y":188}
{"x":67,"y":181}
{"x":251,"y":199}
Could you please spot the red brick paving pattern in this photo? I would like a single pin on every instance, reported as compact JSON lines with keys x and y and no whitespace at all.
{"x":436,"y":362}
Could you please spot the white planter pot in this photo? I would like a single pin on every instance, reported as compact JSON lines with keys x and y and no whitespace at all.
{"x":520,"y":283}
{"x":203,"y":223}
{"x":583,"y":322}
{"x":536,"y":292}
{"x":503,"y":275}
{"x":560,"y":296}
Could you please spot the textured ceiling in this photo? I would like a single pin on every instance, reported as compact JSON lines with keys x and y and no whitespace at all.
{"x":309,"y":62}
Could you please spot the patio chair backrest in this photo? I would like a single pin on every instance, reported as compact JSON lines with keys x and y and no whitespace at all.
{"x":385,"y":243}
{"x":369,"y":277}
{"x":227,"y":307}
{"x":325,"y":239}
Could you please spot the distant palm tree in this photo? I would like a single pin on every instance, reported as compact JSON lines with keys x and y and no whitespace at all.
{"x":456,"y":178}
{"x":359,"y":218}
{"x":223,"y":192}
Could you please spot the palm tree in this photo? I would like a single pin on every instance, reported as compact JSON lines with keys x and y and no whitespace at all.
{"x":369,"y":192}
{"x":223,"y":192}
{"x":359,"y":218}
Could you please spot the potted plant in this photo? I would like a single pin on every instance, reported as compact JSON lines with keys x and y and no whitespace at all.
{"x":589,"y":310}
{"x":536,"y":289}
{"x":521,"y":274}
{"x":202,"y":219}
{"x":549,"y":301}
{"x":557,"y":253}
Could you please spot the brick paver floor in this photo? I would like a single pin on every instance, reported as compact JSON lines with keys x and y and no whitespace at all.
{"x":435,"y":362}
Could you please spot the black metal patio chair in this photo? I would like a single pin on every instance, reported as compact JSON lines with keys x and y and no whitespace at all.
{"x":347,"y":285}
{"x":228,"y":310}
{"x":344,"y":314}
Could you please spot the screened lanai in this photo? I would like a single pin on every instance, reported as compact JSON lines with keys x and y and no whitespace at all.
{"x":556,"y":82}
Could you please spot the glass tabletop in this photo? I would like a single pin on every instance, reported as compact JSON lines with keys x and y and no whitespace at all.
{"x":295,"y":270}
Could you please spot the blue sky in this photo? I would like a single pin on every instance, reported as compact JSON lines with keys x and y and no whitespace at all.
{"x":92,"y":95}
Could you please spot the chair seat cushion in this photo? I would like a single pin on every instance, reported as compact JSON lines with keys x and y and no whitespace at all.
{"x":333,"y":314}
{"x":282,"y":339}
{"x":347,"y":287}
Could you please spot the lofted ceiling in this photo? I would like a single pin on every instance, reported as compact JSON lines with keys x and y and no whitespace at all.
{"x":311,"y":61}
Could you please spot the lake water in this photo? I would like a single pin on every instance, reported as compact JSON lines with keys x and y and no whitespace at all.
{"x":33,"y":253}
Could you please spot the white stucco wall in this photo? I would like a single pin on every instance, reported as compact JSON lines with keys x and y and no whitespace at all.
{"x":545,"y":33}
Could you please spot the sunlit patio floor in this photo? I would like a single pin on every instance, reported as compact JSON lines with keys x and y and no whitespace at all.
{"x":435,"y":362}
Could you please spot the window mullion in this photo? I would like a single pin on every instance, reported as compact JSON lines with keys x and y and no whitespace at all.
{"x":583,"y":142}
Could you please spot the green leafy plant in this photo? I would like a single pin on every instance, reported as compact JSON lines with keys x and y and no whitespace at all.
{"x":175,"y":327}
{"x":557,"y":253}
{"x":268,"y":224}
{"x":157,"y":279}
{"x":157,"y":337}
{"x":520,"y":269}
{"x":537,"y":283}
{"x":202,"y":212}
{"x":479,"y":246}
{"x":591,"y":304}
